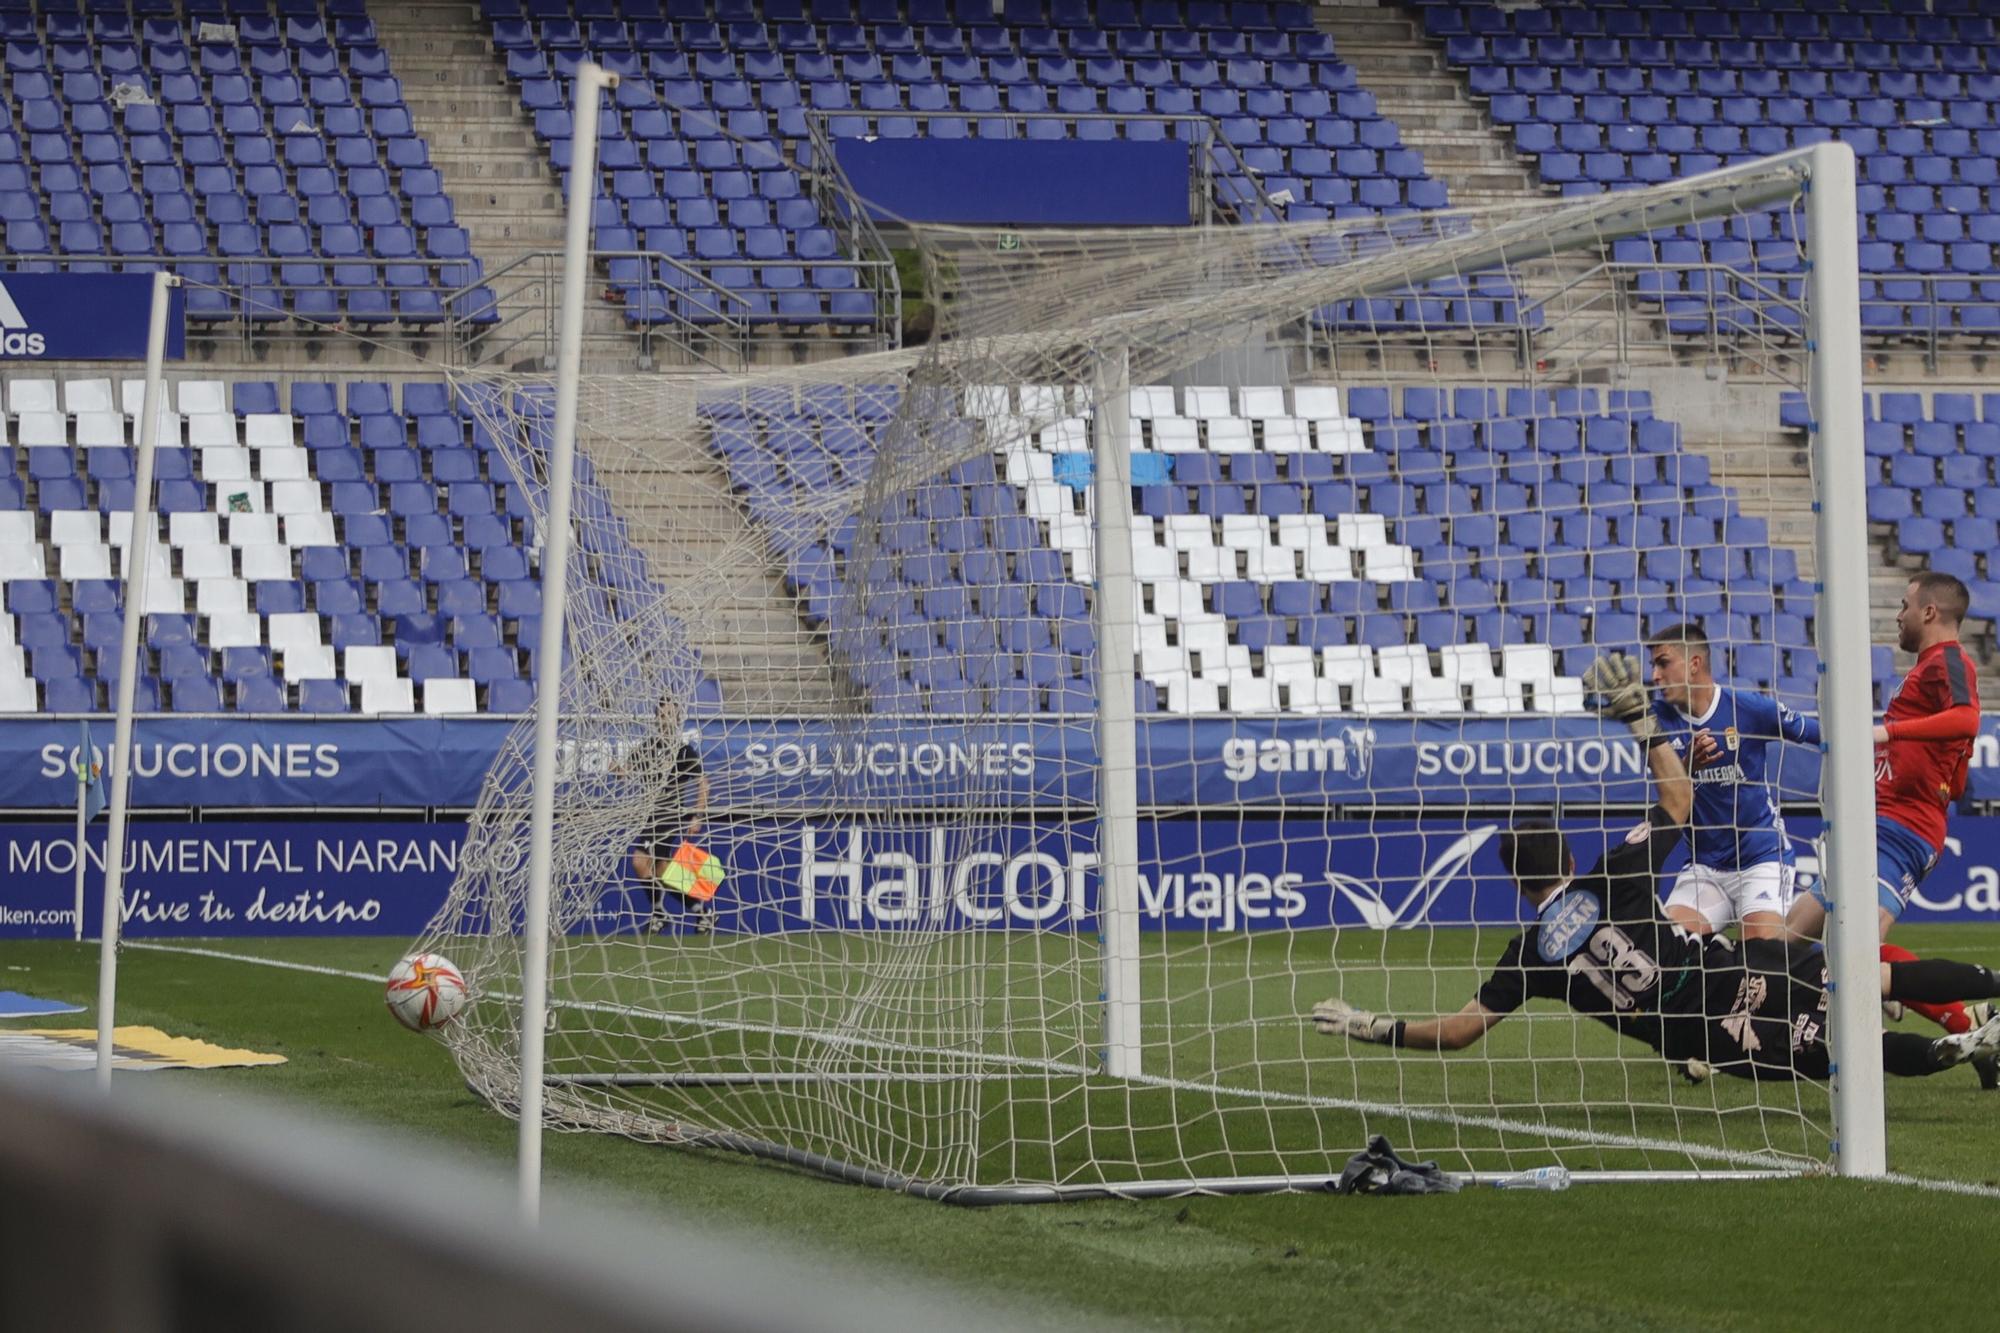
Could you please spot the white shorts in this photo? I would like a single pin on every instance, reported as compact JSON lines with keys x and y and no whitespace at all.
{"x":1725,"y":897}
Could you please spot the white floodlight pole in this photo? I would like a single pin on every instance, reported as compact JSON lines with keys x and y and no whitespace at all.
{"x":1117,"y":748}
{"x":1847,"y":717}
{"x":138,"y":556}
{"x":591,"y":79}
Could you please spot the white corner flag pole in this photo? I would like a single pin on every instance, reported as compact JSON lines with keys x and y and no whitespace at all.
{"x":591,"y":79}
{"x":82,"y":799}
{"x":1847,"y":716}
{"x":138,"y":556}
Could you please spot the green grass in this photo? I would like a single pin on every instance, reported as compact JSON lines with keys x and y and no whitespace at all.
{"x":1790,"y":1254}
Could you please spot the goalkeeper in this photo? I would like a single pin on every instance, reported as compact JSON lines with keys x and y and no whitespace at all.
{"x":1601,"y":943}
{"x":668,"y":759}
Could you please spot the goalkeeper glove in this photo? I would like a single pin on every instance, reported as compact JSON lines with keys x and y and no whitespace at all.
{"x":1617,"y":678}
{"x":1337,"y":1018}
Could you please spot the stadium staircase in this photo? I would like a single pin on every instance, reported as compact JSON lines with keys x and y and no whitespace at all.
{"x":483,"y":144}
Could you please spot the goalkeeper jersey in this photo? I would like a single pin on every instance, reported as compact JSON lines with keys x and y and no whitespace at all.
{"x":1602,"y":946}
{"x":1735,"y":821}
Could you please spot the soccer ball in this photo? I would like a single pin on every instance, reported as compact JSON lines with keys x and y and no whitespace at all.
{"x":425,"y":991}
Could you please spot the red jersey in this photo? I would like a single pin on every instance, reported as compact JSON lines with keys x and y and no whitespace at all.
{"x":1932,"y":721}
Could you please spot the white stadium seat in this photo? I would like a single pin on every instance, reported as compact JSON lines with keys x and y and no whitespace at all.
{"x":309,"y":661}
{"x":1207,"y":400}
{"x":1193,"y":695}
{"x":1316,"y":402}
{"x":1348,"y":664}
{"x":1286,"y":435}
{"x":1082,"y":563}
{"x":17,"y":696}
{"x":100,"y":430}
{"x":225,"y":463}
{"x":185,"y":530}
{"x":370,"y":662}
{"x":17,"y":527}
{"x":159,"y":562}
{"x":253,"y":529}
{"x":1534,"y":663}
{"x":988,"y":400}
{"x":1339,"y":437}
{"x":1024,"y":465}
{"x":266,"y":562}
{"x":1428,"y":694}
{"x":235,"y":630}
{"x":1155,"y":564}
{"x":315,"y":529}
{"x":74,"y":527}
{"x":239,"y":497}
{"x":1043,"y":402}
{"x":450,"y":697}
{"x":1388,"y":564}
{"x":165,"y":597}
{"x":207,"y":432}
{"x":208,"y":562}
{"x":295,"y":497}
{"x":221,"y":596}
{"x":1403,"y":663}
{"x":1151,"y":402}
{"x":201,"y":398}
{"x":284,"y":463}
{"x":1206,"y":633}
{"x":1377,"y":696}
{"x":1564,"y":694}
{"x":1270,"y":564}
{"x":1261,"y":402}
{"x":1065,"y":436}
{"x":1176,"y":598}
{"x":83,"y":561}
{"x":1249,"y":693}
{"x":1189,"y":532}
{"x":1229,"y":435}
{"x":88,"y":395}
{"x":268,"y":430}
{"x":1210,"y":564}
{"x":13,"y":658}
{"x":24,"y":562}
{"x":1360,"y":532}
{"x":25,"y":395}
{"x":387,"y":696}
{"x":1176,"y":435}
{"x":1245,"y":532}
{"x":41,"y":430}
{"x":290,"y":629}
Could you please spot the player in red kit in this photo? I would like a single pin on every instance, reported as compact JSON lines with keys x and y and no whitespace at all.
{"x":1922,"y":749}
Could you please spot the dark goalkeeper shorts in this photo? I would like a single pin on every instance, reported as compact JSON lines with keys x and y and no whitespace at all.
{"x":1767,"y":1020}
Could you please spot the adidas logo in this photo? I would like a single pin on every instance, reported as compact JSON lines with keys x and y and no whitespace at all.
{"x":15,"y":339}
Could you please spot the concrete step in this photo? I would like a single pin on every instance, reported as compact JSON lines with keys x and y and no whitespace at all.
{"x":504,"y":164}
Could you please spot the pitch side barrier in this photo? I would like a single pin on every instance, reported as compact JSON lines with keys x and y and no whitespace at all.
{"x":1289,"y":763}
{"x":187,"y":1215}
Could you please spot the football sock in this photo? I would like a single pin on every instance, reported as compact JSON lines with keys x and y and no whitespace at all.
{"x":1906,"y":1055}
{"x":1934,"y":987}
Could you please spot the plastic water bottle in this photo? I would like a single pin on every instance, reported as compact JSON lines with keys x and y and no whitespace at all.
{"x":1541,"y":1178}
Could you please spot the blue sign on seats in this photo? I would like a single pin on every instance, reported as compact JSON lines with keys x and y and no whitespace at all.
{"x":1007,"y":182}
{"x":83,"y":317}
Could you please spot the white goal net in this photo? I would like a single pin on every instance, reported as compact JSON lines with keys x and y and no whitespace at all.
{"x":855,"y":864}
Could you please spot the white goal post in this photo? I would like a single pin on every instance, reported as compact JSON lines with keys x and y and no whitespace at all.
{"x":948,"y":960}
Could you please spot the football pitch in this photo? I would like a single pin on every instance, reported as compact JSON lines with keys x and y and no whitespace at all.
{"x":1809,"y":1253}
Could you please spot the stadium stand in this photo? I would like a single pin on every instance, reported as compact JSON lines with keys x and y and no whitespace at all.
{"x":267,"y":156}
{"x":353,"y":551}
{"x":1302,"y":551}
{"x":715,"y":108}
{"x":1609,"y":95}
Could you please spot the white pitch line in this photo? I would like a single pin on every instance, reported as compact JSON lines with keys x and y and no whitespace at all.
{"x":1498,"y":1124}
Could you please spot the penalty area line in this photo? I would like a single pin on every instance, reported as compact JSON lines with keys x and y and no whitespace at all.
{"x":1960,"y":1187}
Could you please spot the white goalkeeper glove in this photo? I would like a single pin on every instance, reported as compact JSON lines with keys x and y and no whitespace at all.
{"x":1618,"y":678}
{"x":1337,"y":1018}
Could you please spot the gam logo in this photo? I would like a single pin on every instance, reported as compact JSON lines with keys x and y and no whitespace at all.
{"x":1348,"y":753}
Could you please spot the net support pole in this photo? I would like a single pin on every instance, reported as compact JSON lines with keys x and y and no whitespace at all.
{"x":591,"y":80}
{"x":1833,"y":290}
{"x":138,"y":558}
{"x":82,"y":804}
{"x":1117,"y":746}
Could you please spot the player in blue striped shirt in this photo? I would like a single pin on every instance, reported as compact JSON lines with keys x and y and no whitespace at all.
{"x":1740,"y":865}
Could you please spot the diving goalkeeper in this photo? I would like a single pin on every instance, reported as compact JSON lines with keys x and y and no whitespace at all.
{"x":1601,"y":944}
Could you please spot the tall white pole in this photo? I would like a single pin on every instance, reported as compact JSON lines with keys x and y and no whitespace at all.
{"x":590,"y":81}
{"x":1117,"y":748}
{"x":1833,"y":289}
{"x":82,"y":796}
{"x":139,"y":556}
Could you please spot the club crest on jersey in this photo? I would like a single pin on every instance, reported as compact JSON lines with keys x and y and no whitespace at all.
{"x":1566,"y":923}
{"x":1731,"y":737}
